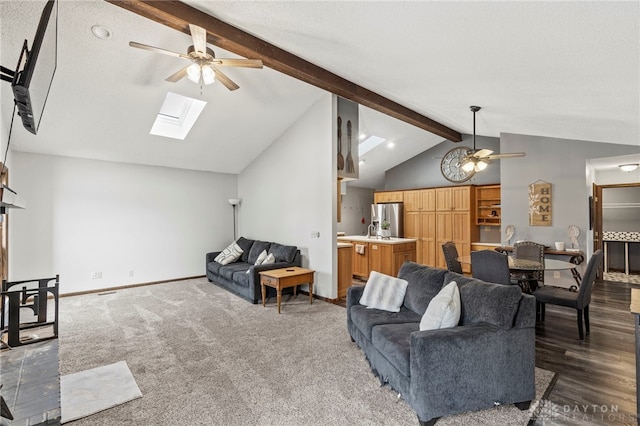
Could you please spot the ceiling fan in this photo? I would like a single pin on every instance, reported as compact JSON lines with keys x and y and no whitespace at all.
{"x":479,"y":159}
{"x":204,"y":66}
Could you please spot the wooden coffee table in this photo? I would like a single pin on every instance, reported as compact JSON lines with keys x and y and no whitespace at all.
{"x":284,"y":278}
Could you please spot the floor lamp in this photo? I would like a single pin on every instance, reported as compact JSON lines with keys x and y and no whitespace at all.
{"x":234,"y":202}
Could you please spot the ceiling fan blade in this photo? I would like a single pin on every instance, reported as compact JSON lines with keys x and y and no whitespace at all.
{"x":199,"y":36}
{"x":506,"y":155}
{"x":483,"y":153}
{"x":177,"y":75}
{"x":157,"y":49}
{"x":246,"y":63}
{"x":228,"y":83}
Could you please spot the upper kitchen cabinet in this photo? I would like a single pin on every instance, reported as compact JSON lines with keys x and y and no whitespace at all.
{"x":454,"y":198}
{"x":347,"y":129}
{"x":420,"y":200}
{"x":388,"y":197}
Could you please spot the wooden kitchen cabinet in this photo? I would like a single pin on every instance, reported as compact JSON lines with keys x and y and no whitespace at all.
{"x":345,"y":269}
{"x":360,"y":261}
{"x":454,"y":198}
{"x":421,"y":226}
{"x":388,"y":197}
{"x":381,"y":256}
{"x":388,"y":258}
{"x":488,"y":205}
{"x":420,"y":200}
{"x":455,"y":221}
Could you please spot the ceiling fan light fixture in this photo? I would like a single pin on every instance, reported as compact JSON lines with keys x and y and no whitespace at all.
{"x":208,"y":76}
{"x":628,"y":167}
{"x":468,"y":166}
{"x":480,"y":166}
{"x":193,"y":72}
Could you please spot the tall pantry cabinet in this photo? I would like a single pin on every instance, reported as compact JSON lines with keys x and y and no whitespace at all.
{"x":420,"y":223}
{"x":455,"y":221}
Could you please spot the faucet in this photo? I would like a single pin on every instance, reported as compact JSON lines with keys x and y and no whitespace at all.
{"x":370,"y":228}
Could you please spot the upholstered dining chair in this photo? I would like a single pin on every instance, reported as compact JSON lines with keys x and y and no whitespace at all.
{"x":490,"y":266}
{"x":530,"y":251}
{"x":577,"y":300}
{"x":451,"y":257}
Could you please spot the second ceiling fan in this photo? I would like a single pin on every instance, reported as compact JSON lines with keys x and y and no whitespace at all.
{"x":204,"y":64}
{"x":479,"y":159}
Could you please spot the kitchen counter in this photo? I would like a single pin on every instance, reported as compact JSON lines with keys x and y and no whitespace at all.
{"x":377,"y":254}
{"x":487,"y":244}
{"x":365,"y":239}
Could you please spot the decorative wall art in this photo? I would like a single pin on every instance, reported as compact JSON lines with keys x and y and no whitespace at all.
{"x":540,"y":203}
{"x":347,"y":139}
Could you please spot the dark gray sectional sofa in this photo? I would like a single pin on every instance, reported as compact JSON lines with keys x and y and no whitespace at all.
{"x":488,"y":358}
{"x":234,"y":276}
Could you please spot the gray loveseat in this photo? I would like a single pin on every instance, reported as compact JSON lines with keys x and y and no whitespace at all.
{"x":234,"y":276}
{"x":488,"y":358}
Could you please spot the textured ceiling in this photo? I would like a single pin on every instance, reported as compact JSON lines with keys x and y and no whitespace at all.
{"x":558,"y":69}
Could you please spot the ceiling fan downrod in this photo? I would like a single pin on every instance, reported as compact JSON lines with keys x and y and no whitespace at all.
{"x":474,"y":109}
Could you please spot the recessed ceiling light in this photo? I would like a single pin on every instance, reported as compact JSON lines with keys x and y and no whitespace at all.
{"x":628,"y":167}
{"x":361,"y":162}
{"x":103,"y":33}
{"x":390,"y":145}
{"x":362,"y":136}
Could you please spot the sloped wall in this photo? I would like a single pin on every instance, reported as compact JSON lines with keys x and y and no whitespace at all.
{"x":289,"y":192}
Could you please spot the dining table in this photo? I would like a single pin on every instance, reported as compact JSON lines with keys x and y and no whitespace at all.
{"x":526,"y":265}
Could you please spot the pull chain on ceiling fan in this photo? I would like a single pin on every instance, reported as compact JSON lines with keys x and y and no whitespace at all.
{"x":478,"y":159}
{"x":204,"y":66}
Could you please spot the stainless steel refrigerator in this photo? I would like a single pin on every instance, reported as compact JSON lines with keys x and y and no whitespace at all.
{"x":388,"y":212}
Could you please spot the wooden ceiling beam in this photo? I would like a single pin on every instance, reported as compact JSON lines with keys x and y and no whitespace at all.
{"x":178,"y":15}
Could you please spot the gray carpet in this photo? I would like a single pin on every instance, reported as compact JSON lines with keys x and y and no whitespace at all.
{"x":202,"y":356}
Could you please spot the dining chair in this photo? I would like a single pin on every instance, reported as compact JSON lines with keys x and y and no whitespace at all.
{"x":490,"y":266}
{"x":529,"y":250}
{"x":577,"y":300}
{"x":451,"y":257}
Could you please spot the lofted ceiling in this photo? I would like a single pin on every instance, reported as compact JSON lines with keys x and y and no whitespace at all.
{"x":557,"y":69}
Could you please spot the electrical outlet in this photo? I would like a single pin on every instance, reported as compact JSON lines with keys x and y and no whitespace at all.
{"x":131,"y":273}
{"x":96,"y":275}
{"x":315,"y":234}
{"x":556,"y":274}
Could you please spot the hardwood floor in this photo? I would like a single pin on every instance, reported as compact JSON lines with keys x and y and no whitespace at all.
{"x":596,"y":381}
{"x":595,"y":384}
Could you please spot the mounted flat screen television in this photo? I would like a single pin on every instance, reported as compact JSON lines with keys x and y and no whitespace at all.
{"x":35,"y":70}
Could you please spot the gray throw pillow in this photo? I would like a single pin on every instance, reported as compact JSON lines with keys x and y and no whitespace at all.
{"x":283,"y":253}
{"x":256,"y":249}
{"x":245,"y":244}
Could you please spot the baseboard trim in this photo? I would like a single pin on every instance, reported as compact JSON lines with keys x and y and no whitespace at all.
{"x":324,"y":299}
{"x":122,"y":287}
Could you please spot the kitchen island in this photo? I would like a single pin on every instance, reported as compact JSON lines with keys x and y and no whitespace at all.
{"x":382,"y":255}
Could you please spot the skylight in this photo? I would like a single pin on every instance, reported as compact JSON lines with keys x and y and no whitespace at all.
{"x":368,"y":144}
{"x":177,"y":115}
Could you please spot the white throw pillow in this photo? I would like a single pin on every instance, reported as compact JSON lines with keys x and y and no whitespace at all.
{"x":230,"y":254}
{"x":269,"y":259}
{"x":384,"y":292}
{"x":443,"y":310}
{"x":261,"y":257}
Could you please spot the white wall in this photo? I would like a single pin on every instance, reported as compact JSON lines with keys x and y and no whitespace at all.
{"x":289,"y":191}
{"x":356,"y":204}
{"x":86,"y":216}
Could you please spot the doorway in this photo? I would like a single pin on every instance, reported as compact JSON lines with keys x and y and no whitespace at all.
{"x":4,"y":231}
{"x":617,"y":230}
